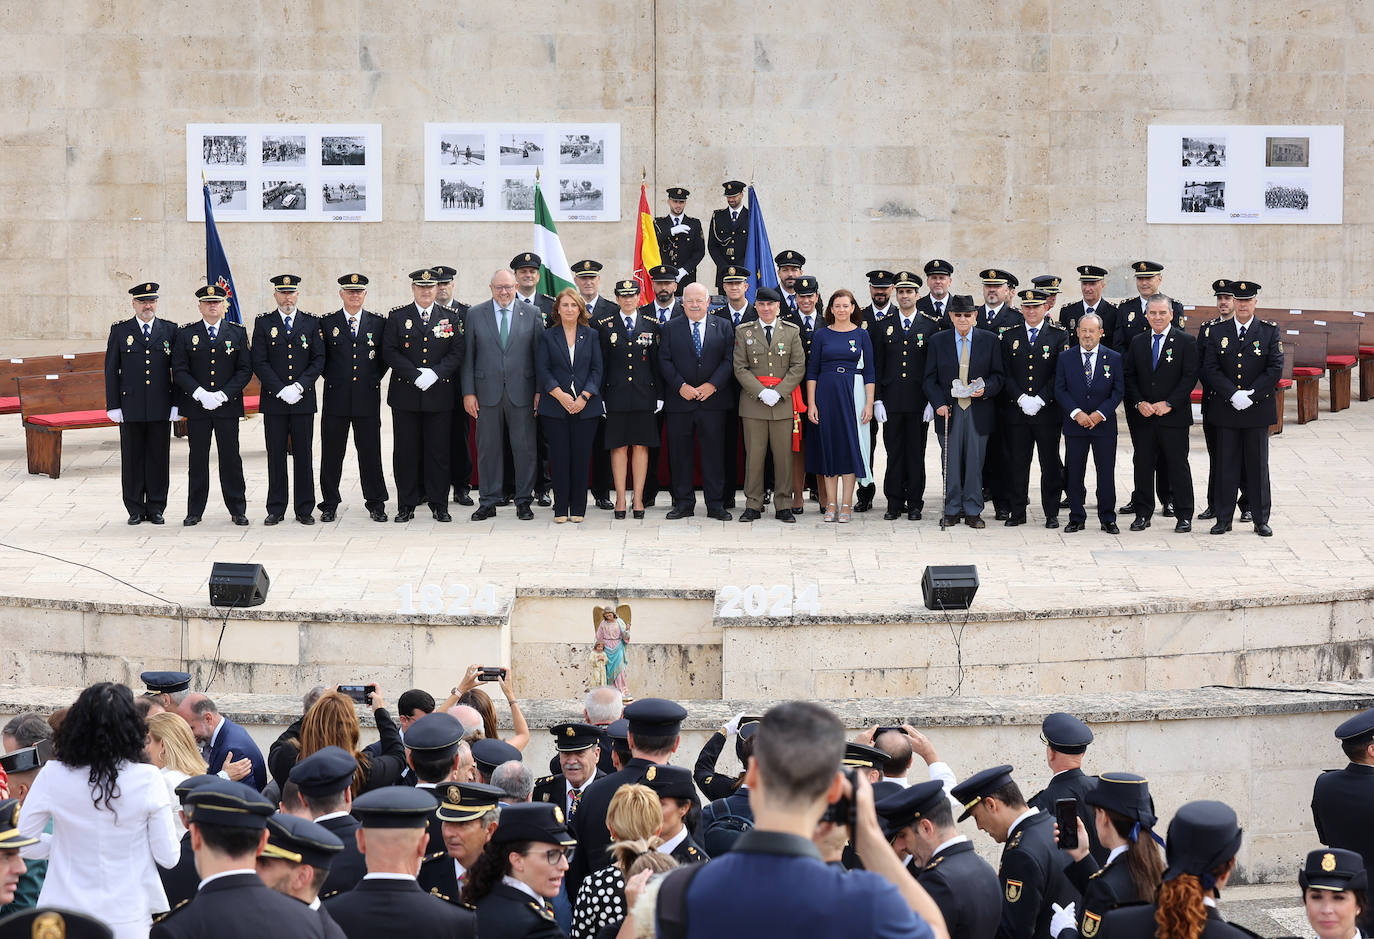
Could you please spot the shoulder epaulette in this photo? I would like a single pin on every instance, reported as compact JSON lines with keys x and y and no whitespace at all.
{"x":330,"y":894}
{"x":161,"y":916}
{"x":434,"y":892}
{"x":268,"y":313}
{"x":1270,"y":323}
{"x":397,"y":309}
{"x":434,"y":857}
{"x":542,"y":910}
{"x":933,"y":864}
{"x":543,"y":780}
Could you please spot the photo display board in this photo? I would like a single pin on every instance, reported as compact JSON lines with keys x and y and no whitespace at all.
{"x":486,"y":172}
{"x":285,"y":172}
{"x":1255,"y":174}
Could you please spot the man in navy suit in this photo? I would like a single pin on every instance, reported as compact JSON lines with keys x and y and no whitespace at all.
{"x":1089,"y":383}
{"x":224,"y":744}
{"x":696,"y":357}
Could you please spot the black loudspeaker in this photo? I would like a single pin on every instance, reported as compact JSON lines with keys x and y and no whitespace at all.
{"x":950,"y":587}
{"x":238,"y":584}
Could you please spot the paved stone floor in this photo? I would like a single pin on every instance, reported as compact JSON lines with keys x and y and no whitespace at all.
{"x":1322,"y":474}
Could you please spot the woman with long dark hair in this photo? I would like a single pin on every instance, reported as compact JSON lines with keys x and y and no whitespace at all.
{"x":519,"y":871}
{"x":839,"y":394}
{"x":1333,"y":893}
{"x":332,"y":721}
{"x":110,"y":812}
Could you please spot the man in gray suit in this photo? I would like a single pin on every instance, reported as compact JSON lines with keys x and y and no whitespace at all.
{"x":498,"y":391}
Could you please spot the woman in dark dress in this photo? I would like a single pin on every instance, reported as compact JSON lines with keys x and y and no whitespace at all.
{"x":519,"y":871}
{"x":839,"y":392}
{"x":631,"y":390}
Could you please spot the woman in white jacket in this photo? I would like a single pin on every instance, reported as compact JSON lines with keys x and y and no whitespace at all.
{"x":110,"y":813}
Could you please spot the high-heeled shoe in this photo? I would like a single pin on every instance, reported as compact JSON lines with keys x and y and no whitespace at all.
{"x":638,"y":513}
{"x":619,"y":514}
{"x":829,"y":512}
{"x":844,"y":516}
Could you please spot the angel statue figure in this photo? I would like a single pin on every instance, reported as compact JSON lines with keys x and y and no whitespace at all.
{"x":612,"y":636}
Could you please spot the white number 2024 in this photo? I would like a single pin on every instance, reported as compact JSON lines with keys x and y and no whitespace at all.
{"x":756,"y":600}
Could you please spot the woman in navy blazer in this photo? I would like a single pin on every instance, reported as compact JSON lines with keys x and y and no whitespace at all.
{"x":568,"y":370}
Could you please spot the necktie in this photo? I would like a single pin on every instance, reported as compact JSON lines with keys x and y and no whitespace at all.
{"x":528,"y":300}
{"x":147,"y":331}
{"x":505,"y":326}
{"x":424,"y":317}
{"x":212,"y":334}
{"x":734,"y":216}
{"x":1035,"y":330}
{"x":288,"y":324}
{"x":663,"y":315}
{"x":964,"y":343}
{"x":736,"y":314}
{"x":572,"y":806}
{"x":1090,"y":311}
{"x":1088,"y":368}
{"x":939,"y":308}
{"x":353,"y":326}
{"x":696,"y":337}
{"x":792,"y":302}
{"x":1155,"y":351}
{"x":768,"y":335}
{"x":629,"y":326}
{"x":906,"y":324}
{"x":810,"y":324}
{"x":1240,"y":333}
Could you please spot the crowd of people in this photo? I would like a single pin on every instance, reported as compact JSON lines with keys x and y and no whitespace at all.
{"x":153,"y":815}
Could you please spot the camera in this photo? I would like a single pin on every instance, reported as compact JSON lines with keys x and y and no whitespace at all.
{"x":361,"y":694}
{"x":841,"y":811}
{"x":491,"y":673}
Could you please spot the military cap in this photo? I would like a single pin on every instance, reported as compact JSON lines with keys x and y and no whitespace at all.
{"x":858,"y":754}
{"x":903,"y":279}
{"x":938,"y":266}
{"x":230,"y":804}
{"x":146,"y":291}
{"x":1125,"y":794}
{"x":662,"y":272}
{"x":466,"y":801}
{"x":1147,"y":268}
{"x":532,"y":821}
{"x":670,"y":782}
{"x":883,"y":789}
{"x":394,"y":807}
{"x":53,"y":922}
{"x":656,"y":717}
{"x":1065,"y":733}
{"x":527,"y":259}
{"x":1047,"y":282}
{"x":880,"y":278}
{"x":586,"y":268}
{"x":286,"y":283}
{"x":211,"y":292}
{"x":1222,"y":287}
{"x":1202,"y":836}
{"x":490,"y":754}
{"x":424,"y":277}
{"x":1333,"y":869}
{"x":910,"y":805}
{"x":677,"y":192}
{"x":1358,"y":729}
{"x":324,"y":772}
{"x":789,"y":258}
{"x":732,"y":187}
{"x":575,"y":735}
{"x":353,"y":282}
{"x":165,"y":682}
{"x":748,"y":726}
{"x":995,"y":275}
{"x":733,"y":274}
{"x":23,"y":760}
{"x":437,"y":735}
{"x":1244,"y":289}
{"x":767,"y":294}
{"x":627,"y":288}
{"x":618,"y":729}
{"x":290,"y":838}
{"x":972,"y":790}
{"x":960,"y":303}
{"x":444,"y":274}
{"x":190,"y":784}
{"x":1032,"y":297}
{"x":10,"y":838}
{"x":1012,"y":281}
{"x":1089,"y":273}
{"x":806,"y":286}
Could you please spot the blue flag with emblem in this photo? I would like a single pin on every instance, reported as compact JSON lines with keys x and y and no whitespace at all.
{"x":217,"y":265}
{"x":758,"y":253}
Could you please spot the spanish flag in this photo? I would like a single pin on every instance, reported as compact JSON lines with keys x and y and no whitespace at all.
{"x":646,"y":248}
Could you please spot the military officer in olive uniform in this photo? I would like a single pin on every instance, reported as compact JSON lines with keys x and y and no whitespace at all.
{"x":288,"y":357}
{"x":769,"y":363}
{"x":729,"y":232}
{"x":1030,"y":419}
{"x":680,"y":242}
{"x":138,"y":397}
{"x":900,"y":340}
{"x":1066,"y":739}
{"x":460,"y":453}
{"x":211,"y":367}
{"x":675,"y":783}
{"x":423,"y":345}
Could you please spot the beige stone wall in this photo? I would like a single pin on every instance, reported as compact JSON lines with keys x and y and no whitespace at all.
{"x":984,"y":132}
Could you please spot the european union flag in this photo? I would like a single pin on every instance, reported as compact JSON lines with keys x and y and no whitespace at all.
{"x":758,"y":253}
{"x":216,"y":264}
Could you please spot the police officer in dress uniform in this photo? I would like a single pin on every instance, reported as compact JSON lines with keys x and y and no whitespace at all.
{"x":423,"y":345}
{"x":1091,"y":280}
{"x":1343,"y":799}
{"x":353,"y":371}
{"x":1335,"y":870}
{"x":768,"y":364}
{"x":880,"y":288}
{"x":211,"y":367}
{"x":717,"y":785}
{"x":900,"y":340}
{"x":325,"y":778}
{"x":180,"y":881}
{"x":511,"y":908}
{"x":138,"y":397}
{"x":11,"y":864}
{"x":467,"y":816}
{"x":1066,"y":739}
{"x":489,"y":754}
{"x":1030,"y":418}
{"x":680,"y":242}
{"x":460,"y":456}
{"x":1226,"y":308}
{"x":631,"y":385}
{"x":808,"y":319}
{"x":663,"y":309}
{"x":432,"y":751}
{"x":729,"y":234}
{"x":50,"y":922}
{"x":789,"y":264}
{"x":578,"y":746}
{"x":1048,"y":284}
{"x":288,"y":357}
{"x":997,"y":315}
{"x":738,"y":311}
{"x":674,"y":783}
{"x":933,"y":305}
{"x":1242,"y":363}
{"x":295,"y":851}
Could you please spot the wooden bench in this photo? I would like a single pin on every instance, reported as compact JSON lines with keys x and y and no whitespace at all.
{"x":11,"y":370}
{"x":1307,"y":347}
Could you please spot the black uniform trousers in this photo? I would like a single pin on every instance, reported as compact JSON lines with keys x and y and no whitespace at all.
{"x":367,"y":441}
{"x":419,"y":457}
{"x":299,"y":429}
{"x":904,"y":481}
{"x":1162,"y":485}
{"x":1244,"y":466}
{"x":1210,"y":433}
{"x":1075,"y":472}
{"x":866,"y":490}
{"x":732,"y":451}
{"x":1025,"y":440}
{"x":231,"y":485}
{"x":144,"y":454}
{"x":996,"y":484}
{"x":543,"y":481}
{"x":707,"y":430}
{"x":459,"y":456}
{"x":1156,"y":445}
{"x":651,"y":486}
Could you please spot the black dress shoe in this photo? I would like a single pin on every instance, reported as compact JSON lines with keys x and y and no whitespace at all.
{"x":786,"y":517}
{"x":1207,"y":514}
{"x":1015,"y":520}
{"x":767,"y":496}
{"x":1220,"y":528}
{"x":135,"y":519}
{"x":914,"y":515}
{"x":605,"y":505}
{"x":462,"y":496}
{"x":240,"y":520}
{"x":1183,"y":525}
{"x":505,"y":501}
{"x":1128,"y":508}
{"x":156,"y":518}
{"x":524,"y":512}
{"x":649,"y":501}
{"x":891,"y":515}
{"x":483,"y":513}
{"x":1110,"y":528}
{"x":306,"y":519}
{"x":1001,"y":515}
{"x":1168,"y":510}
{"x":377,"y":515}
{"x":542,"y":500}
{"x":676,"y":513}
{"x":863,"y":505}
{"x":1245,"y":516}
{"x":619,"y":514}
{"x":728,"y":503}
{"x":975,"y":521}
{"x":328,"y":515}
{"x":1263,"y":530}
{"x":1072,"y":527}
{"x":190,"y":520}
{"x":1063,"y":503}
{"x":748,"y":515}
{"x":1052,"y":522}
{"x":404,"y":514}
{"x":273,"y":519}
{"x":949,"y":521}
{"x":720,"y":515}
{"x":637,"y":513}
{"x":441,"y":515}
{"x":798,"y":509}
{"x":1140,"y":524}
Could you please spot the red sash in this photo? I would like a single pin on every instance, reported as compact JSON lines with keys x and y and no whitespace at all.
{"x":798,"y":408}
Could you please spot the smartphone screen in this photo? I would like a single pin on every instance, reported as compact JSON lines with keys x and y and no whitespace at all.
{"x":1066,"y":816}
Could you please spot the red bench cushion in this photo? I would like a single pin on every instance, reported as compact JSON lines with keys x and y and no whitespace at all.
{"x":1340,"y":361}
{"x":9,"y":405}
{"x":1197,"y":395}
{"x":71,"y":419}
{"x":1285,"y":383}
{"x":1364,"y":350}
{"x":251,"y":401}
{"x":1304,"y":371}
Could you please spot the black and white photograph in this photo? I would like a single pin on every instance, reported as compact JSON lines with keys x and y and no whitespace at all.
{"x":1200,"y":197}
{"x":230,"y":194}
{"x":344,"y":195}
{"x":283,"y":195}
{"x":466,"y":195}
{"x":1287,"y":151}
{"x":517,"y":195}
{"x":1288,"y":196}
{"x":522,"y":149}
{"x":463,"y":150}
{"x":343,"y":151}
{"x":224,"y":150}
{"x":1204,"y":151}
{"x":283,"y":150}
{"x":581,"y":195}
{"x":581,"y":149}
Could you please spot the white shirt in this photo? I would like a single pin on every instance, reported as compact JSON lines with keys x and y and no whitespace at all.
{"x":425,"y":311}
{"x":955,"y":840}
{"x":173,"y":778}
{"x":899,"y":780}
{"x":668,"y":846}
{"x":1115,"y":852}
{"x":1092,"y":364}
{"x":210,"y":744}
{"x":941,"y":771}
{"x":524,"y":298}
{"x":523,"y":887}
{"x":386,"y":875}
{"x":1021,"y":818}
{"x":215,"y":325}
{"x":102,"y":861}
{"x":235,"y":871}
{"x":328,"y":815}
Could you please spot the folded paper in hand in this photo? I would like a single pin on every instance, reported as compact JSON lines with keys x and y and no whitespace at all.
{"x":961,"y":390}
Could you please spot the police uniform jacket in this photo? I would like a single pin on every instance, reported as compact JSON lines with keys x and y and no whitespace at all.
{"x":966,"y":889}
{"x":1001,"y":321}
{"x":1030,"y":371}
{"x":1171,"y":381}
{"x":926,"y":307}
{"x":555,"y":789}
{"x":630,"y":361}
{"x":408,"y":345}
{"x":439,"y":877}
{"x":1229,"y":365}
{"x":683,"y":250}
{"x":650,"y":310}
{"x":747,"y":315}
{"x":601,"y":309}
{"x":138,"y":371}
{"x":282,"y":358}
{"x":1343,"y":809}
{"x":1138,"y":922}
{"x":1103,"y":890}
{"x":1073,"y":784}
{"x":588,"y":826}
{"x":349,"y":865}
{"x":689,"y":852}
{"x":331,"y":928}
{"x":540,"y":301}
{"x":1208,"y":395}
{"x":754,"y":356}
{"x":942,"y":367}
{"x":807,"y":335}
{"x":1131,"y":322}
{"x":383,"y":907}
{"x":727,"y":240}
{"x":900,"y":356}
{"x":353,"y":368}
{"x":714,"y":785}
{"x":508,"y":913}
{"x":1032,"y":877}
{"x":239,"y":906}
{"x":1069,"y":316}
{"x":219,"y":365}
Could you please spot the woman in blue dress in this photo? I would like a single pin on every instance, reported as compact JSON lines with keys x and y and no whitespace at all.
{"x":839,"y":393}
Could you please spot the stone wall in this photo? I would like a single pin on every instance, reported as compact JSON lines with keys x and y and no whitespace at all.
{"x":877,"y":133}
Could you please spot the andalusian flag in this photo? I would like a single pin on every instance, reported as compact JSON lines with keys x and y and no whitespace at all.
{"x":647,"y":256}
{"x":555,"y":274}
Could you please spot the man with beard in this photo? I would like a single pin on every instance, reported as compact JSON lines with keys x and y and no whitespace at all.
{"x":295,"y":862}
{"x":729,"y":230}
{"x":880,"y":284}
{"x":789,"y":264}
{"x":679,"y":238}
{"x":938,"y":273}
{"x":460,"y":453}
{"x":664,"y":308}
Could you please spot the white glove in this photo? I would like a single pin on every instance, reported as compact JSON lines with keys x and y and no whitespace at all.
{"x":1064,"y":917}
{"x":681,"y":271}
{"x":879,"y":412}
{"x":928,"y":414}
{"x":1024,"y":403}
{"x":175,"y":415}
{"x":223,"y":398}
{"x":200,"y":394}
{"x":116,"y":415}
{"x":769,"y":397}
{"x":732,"y":727}
{"x":1241,"y":400}
{"x":425,"y":379}
{"x":208,"y":399}
{"x":679,"y":229}
{"x":1039,"y":403}
{"x":300,"y":390}
{"x":659,"y":406}
{"x":289,"y":394}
